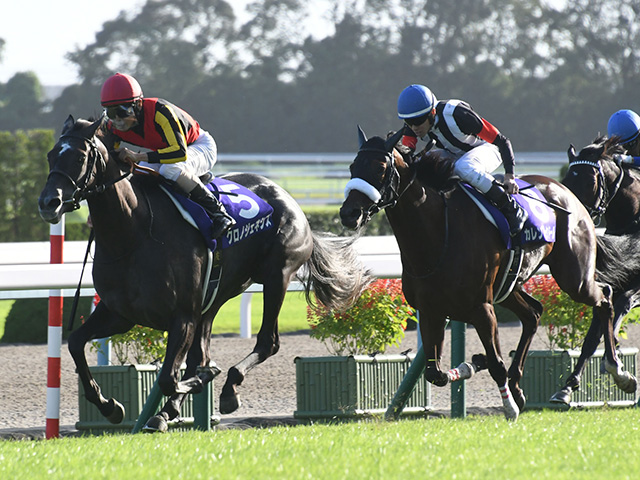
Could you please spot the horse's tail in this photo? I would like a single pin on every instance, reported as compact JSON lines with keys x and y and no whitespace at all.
{"x":335,"y":273}
{"x":617,"y":260}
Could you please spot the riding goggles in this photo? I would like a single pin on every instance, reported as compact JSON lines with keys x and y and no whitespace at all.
{"x":415,"y":121}
{"x":120,"y":111}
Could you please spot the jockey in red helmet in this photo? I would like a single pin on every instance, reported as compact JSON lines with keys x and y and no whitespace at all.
{"x":476,"y":146}
{"x":180,"y":150}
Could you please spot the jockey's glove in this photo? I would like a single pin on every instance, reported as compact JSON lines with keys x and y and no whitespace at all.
{"x":621,"y":158}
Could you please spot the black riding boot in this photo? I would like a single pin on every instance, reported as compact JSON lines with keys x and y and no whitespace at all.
{"x":513,"y":212}
{"x":222,"y":221}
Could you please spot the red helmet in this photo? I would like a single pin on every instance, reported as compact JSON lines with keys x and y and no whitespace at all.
{"x":120,"y":88}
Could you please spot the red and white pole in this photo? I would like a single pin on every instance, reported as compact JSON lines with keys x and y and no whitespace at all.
{"x":54,"y":337}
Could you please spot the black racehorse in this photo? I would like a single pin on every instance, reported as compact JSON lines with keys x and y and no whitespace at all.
{"x":149,"y":266}
{"x":452,"y":257}
{"x":611,"y":190}
{"x":606,"y":187}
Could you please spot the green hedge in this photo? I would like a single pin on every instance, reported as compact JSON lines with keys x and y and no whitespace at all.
{"x":27,"y":321}
{"x":328,"y":220}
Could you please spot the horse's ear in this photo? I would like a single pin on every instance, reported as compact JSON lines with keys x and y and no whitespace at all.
{"x":91,"y":129}
{"x":571,"y":153}
{"x":68,"y":124}
{"x":391,"y":142}
{"x":362,"y":138}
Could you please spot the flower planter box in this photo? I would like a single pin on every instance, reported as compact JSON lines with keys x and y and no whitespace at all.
{"x":546,"y":371}
{"x":130,"y":385}
{"x":354,"y":386}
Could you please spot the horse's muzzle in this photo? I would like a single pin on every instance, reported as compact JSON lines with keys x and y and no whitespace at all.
{"x":50,"y":208}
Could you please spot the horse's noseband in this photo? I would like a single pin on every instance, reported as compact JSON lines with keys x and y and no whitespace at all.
{"x":387,"y":193}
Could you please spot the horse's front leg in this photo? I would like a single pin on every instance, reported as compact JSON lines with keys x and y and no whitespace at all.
{"x":528,"y":310}
{"x":486,"y":324}
{"x":267,"y":344}
{"x":101,"y":324}
{"x":432,"y":334}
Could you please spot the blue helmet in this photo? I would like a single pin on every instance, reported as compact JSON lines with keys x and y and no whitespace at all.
{"x":624,"y":124}
{"x":415,"y":101}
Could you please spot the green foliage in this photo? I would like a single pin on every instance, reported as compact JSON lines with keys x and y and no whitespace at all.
{"x":376,"y":321}
{"x":139,"y":345}
{"x":328,"y":220}
{"x":23,"y":172}
{"x":565,"y":322}
{"x":28,"y":319}
{"x":198,"y":55}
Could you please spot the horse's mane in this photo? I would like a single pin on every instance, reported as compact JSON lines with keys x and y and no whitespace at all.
{"x":434,"y":170}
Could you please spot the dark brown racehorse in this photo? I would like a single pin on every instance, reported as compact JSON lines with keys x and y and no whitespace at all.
{"x":452,"y":256}
{"x":149,"y":266}
{"x":611,"y":190}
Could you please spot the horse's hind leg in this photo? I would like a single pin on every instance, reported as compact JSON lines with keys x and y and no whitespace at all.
{"x":600,"y":298}
{"x":198,"y":365}
{"x":102,"y":323}
{"x":267,"y":344}
{"x":528,"y":310}
{"x":591,"y":342}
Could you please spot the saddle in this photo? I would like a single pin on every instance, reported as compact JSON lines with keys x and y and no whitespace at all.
{"x":251,"y":213}
{"x":540,"y":227}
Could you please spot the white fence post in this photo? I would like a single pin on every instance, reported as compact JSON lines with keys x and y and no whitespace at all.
{"x":245,"y":315}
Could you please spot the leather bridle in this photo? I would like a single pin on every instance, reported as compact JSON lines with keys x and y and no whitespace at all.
{"x":83,"y":191}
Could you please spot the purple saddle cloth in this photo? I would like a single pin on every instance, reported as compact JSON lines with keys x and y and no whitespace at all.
{"x":540,"y":227}
{"x":252,"y":213}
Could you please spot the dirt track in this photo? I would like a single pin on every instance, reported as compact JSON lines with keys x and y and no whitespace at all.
{"x":268,"y":390}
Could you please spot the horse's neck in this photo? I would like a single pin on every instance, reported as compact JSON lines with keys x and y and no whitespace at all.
{"x":624,"y":205}
{"x":117,"y":215}
{"x":417,"y":219}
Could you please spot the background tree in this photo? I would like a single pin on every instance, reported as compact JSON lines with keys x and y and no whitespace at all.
{"x":23,"y":171}
{"x":273,"y":80}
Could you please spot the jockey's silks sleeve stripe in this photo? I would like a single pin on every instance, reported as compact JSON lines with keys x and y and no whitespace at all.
{"x":488,"y":132}
{"x":173,"y":133}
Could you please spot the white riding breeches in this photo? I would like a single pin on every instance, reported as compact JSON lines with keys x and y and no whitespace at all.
{"x":201,"y":157}
{"x":476,"y":165}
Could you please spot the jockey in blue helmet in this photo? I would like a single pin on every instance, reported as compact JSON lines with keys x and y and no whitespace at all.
{"x":476,"y":146}
{"x":625,"y":124}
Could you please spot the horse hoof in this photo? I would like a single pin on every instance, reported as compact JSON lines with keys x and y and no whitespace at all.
{"x":511,"y":410}
{"x":520,"y":399}
{"x":479,"y":360}
{"x":229,"y":404}
{"x":156,"y":424}
{"x":117,"y":411}
{"x":626,"y":382}
{"x":561,"y":397}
